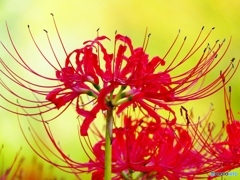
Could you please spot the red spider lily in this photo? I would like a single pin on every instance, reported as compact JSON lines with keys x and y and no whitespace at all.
{"x":205,"y":134}
{"x":127,"y":76}
{"x":143,"y":149}
{"x":212,"y":140}
{"x":228,"y":149}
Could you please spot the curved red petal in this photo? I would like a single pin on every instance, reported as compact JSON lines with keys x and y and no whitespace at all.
{"x":88,"y":120}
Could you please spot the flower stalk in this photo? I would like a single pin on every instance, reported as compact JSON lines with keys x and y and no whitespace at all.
{"x":108,"y":145}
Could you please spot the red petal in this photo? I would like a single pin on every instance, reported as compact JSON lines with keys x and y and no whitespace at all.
{"x":150,"y":111}
{"x":99,"y":38}
{"x":154,"y":63}
{"x":82,"y":112}
{"x":103,"y":94}
{"x":119,"y":60}
{"x":126,"y":40}
{"x":52,"y":94}
{"x":88,"y":120}
{"x":99,"y":174}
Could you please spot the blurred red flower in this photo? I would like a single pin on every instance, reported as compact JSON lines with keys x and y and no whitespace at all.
{"x":145,"y":149}
{"x":6,"y":172}
{"x":21,"y":170}
{"x":227,"y":148}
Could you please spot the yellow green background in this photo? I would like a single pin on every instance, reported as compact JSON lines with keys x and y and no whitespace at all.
{"x":78,"y":21}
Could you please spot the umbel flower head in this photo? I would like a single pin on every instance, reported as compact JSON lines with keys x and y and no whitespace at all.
{"x":125,"y":77}
{"x":143,"y":149}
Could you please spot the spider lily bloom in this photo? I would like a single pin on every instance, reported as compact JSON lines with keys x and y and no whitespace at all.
{"x":138,"y":145}
{"x":228,"y":149}
{"x":127,"y":76}
{"x":213,"y":143}
{"x":205,"y":135}
{"x":143,"y":149}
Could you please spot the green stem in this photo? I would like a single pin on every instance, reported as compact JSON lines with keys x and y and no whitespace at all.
{"x":108,"y":145}
{"x":125,"y":176}
{"x":118,"y":95}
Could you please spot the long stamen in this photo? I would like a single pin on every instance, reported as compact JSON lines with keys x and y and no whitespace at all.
{"x":58,"y":34}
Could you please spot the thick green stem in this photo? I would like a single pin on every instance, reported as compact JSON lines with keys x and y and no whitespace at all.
{"x":108,"y":145}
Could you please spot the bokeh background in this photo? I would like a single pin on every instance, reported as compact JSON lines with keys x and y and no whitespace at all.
{"x":78,"y":21}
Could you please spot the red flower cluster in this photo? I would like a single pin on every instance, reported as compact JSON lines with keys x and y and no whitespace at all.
{"x":228,"y":150}
{"x":145,"y":149}
{"x":128,"y":78}
{"x":122,"y":78}
{"x":133,"y":75}
{"x":141,"y":148}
